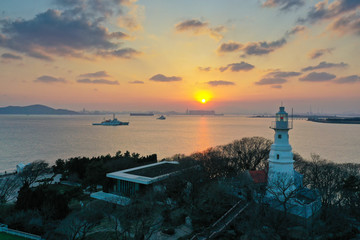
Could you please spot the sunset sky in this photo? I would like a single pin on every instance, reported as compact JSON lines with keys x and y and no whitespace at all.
{"x":125,"y":55}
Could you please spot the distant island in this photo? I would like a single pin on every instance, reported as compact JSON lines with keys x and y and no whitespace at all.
{"x":36,"y":109}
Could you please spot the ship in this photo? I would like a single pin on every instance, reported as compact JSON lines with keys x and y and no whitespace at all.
{"x":141,"y":114}
{"x":339,"y":120}
{"x":203,"y":113}
{"x":162,"y":117}
{"x":111,"y":122}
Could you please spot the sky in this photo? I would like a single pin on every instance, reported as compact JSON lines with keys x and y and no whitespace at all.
{"x":239,"y":56}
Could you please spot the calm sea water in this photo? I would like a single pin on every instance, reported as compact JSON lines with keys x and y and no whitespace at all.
{"x":28,"y":138}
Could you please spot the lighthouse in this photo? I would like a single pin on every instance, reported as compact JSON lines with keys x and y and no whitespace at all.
{"x":281,"y":172}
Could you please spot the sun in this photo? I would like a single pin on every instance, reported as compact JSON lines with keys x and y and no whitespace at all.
{"x":203,"y":96}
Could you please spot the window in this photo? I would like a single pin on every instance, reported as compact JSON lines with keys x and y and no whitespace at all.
{"x":277,"y":156}
{"x":279,"y":136}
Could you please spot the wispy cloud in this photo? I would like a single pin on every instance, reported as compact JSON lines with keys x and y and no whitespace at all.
{"x":136,"y":82}
{"x":216,"y":83}
{"x":11,"y":56}
{"x":348,"y":79}
{"x":230,"y":47}
{"x":284,"y":5}
{"x":347,"y":24}
{"x":271,"y":81}
{"x":236,"y":67}
{"x":99,"y":74}
{"x":49,"y":79}
{"x":323,"y":65}
{"x":325,"y":10}
{"x":197,"y":27}
{"x":276,"y":78}
{"x":316,"y":53}
{"x":281,"y":74}
{"x":127,"y":53}
{"x":204,"y":69}
{"x":262,"y":48}
{"x":97,"y":81}
{"x":295,"y":30}
{"x":318,"y":77}
{"x":163,"y":78}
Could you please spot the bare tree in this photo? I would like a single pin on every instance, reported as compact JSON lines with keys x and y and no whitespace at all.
{"x":282,"y":189}
{"x":33,"y":171}
{"x":8,"y":187}
{"x":248,"y":153}
{"x":77,"y":225}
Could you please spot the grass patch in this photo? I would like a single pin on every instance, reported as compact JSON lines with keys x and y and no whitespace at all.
{"x":6,"y":236}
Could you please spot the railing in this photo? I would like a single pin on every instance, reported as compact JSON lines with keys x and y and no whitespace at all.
{"x":4,"y":228}
{"x":281,"y":125}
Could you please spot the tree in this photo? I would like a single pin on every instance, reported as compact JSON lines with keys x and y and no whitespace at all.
{"x":282,"y":189}
{"x":33,"y":171}
{"x":248,"y":153}
{"x":8,"y":187}
{"x":78,"y":224}
{"x":231,"y":159}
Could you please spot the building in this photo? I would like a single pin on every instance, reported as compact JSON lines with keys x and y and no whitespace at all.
{"x":128,"y":182}
{"x":284,"y":187}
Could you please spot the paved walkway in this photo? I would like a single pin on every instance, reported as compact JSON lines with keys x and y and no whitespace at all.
{"x":223,"y":222}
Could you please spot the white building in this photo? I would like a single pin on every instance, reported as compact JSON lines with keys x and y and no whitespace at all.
{"x":284,"y":184}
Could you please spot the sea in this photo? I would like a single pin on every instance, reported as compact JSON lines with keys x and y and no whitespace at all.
{"x":26,"y":138}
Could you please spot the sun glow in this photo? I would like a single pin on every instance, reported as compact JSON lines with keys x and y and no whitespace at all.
{"x":203,"y":96}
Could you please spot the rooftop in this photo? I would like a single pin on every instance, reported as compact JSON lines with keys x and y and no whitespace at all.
{"x":259,"y":176}
{"x":147,"y":174}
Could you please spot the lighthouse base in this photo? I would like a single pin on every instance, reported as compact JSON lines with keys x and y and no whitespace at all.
{"x":305,"y":203}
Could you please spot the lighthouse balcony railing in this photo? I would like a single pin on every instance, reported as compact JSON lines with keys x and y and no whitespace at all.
{"x":281,"y":125}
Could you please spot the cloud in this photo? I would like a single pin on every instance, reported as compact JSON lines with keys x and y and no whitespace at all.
{"x":118,"y":35}
{"x":99,"y":74}
{"x":261,"y":48}
{"x":191,"y":25}
{"x":271,"y":81}
{"x":94,"y":8}
{"x":295,"y":30}
{"x":133,"y":18}
{"x":318,"y":77}
{"x":347,"y":24}
{"x":236,"y":67}
{"x":284,"y":5}
{"x":58,"y":33}
{"x":163,"y":78}
{"x":204,"y":69}
{"x":127,"y":53}
{"x":325,"y":10}
{"x":198,"y":27}
{"x":11,"y":56}
{"x":49,"y":79}
{"x":322,"y":65}
{"x":220,"y":83}
{"x":280,"y":74}
{"x":276,"y":78}
{"x":136,"y":82}
{"x":316,"y":53}
{"x":348,"y":79}
{"x":229,"y":47}
{"x":98,"y":81}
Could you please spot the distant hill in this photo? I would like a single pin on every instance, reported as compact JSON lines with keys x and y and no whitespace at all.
{"x":35,"y":109}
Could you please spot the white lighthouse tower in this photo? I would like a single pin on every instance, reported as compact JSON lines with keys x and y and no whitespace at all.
{"x":281,"y":173}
